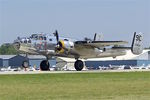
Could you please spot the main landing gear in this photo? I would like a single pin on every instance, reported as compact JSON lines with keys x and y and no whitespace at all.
{"x":78,"y":65}
{"x":44,"y":65}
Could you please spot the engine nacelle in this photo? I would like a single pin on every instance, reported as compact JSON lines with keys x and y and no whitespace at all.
{"x":65,"y":45}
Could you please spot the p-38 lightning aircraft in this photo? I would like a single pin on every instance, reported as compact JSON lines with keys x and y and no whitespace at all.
{"x":53,"y":45}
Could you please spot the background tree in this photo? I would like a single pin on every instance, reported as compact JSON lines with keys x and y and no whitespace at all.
{"x":7,"y":49}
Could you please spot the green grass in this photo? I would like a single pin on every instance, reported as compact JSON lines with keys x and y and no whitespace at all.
{"x":76,"y":86}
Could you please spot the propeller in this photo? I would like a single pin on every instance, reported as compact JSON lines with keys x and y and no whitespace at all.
{"x":57,"y":39}
{"x":59,"y":45}
{"x":57,"y":36}
{"x":95,"y":37}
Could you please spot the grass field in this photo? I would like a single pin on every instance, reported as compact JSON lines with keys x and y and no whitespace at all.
{"x":76,"y":86}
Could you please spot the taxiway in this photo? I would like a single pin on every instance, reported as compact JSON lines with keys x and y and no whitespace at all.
{"x":85,"y":71}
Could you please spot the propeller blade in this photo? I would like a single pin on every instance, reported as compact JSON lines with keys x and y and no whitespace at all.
{"x":57,"y":36}
{"x":95,"y":36}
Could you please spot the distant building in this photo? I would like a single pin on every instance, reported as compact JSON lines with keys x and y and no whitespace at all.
{"x":1,"y":62}
{"x":5,"y":60}
{"x":17,"y":60}
{"x":133,"y":63}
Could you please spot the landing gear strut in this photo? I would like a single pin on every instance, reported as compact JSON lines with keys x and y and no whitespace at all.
{"x":44,"y":65}
{"x":78,"y":65}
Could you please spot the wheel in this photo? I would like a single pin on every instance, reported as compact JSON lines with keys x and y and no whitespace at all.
{"x":44,"y":65}
{"x":25,"y":64}
{"x":78,"y":65}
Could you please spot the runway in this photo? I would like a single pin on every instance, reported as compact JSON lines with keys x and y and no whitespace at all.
{"x":85,"y":71}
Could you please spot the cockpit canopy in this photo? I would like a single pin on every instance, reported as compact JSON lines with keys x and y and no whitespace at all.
{"x":23,"y":40}
{"x":38,"y":37}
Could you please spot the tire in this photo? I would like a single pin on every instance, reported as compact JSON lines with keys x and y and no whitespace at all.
{"x":44,"y":65}
{"x":78,"y":65}
{"x":25,"y":64}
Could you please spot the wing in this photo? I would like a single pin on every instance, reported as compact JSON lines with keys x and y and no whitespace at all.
{"x":98,"y":44}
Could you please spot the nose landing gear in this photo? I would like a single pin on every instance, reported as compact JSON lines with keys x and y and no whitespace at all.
{"x":25,"y":63}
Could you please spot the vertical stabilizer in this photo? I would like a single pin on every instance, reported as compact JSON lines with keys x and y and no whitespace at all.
{"x":98,"y":37}
{"x":137,"y":43}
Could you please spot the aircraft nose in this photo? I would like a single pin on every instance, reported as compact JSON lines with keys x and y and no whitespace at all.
{"x":16,"y":45}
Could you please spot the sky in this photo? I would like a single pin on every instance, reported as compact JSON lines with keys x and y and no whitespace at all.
{"x":115,"y":19}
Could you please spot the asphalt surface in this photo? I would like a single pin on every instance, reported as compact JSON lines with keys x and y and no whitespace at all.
{"x":85,"y":71}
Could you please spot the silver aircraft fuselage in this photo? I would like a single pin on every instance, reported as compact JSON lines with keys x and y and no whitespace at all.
{"x":45,"y":44}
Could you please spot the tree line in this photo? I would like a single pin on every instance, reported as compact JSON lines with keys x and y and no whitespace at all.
{"x":7,"y":49}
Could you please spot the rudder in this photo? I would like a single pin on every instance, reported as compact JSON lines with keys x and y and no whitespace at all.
{"x":137,"y":42}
